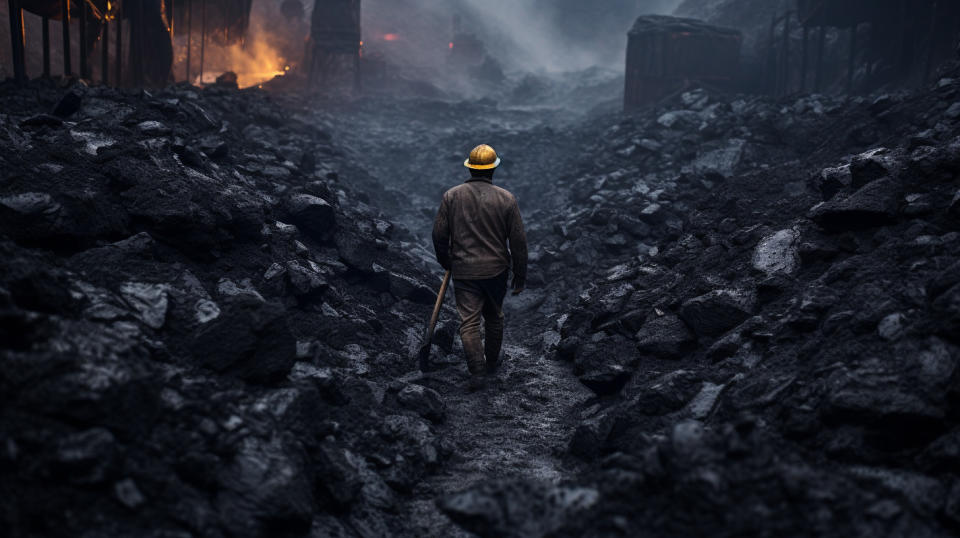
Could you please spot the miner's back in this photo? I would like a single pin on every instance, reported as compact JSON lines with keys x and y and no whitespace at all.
{"x":481,"y":216}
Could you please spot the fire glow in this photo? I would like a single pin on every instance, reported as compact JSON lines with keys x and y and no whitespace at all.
{"x":390,"y":37}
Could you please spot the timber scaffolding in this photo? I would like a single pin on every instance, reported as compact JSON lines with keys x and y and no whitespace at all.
{"x":335,"y":45}
{"x":151,"y":25}
{"x":905,"y":38}
{"x":668,"y":54}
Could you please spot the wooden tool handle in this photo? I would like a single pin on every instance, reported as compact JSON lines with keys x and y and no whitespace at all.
{"x":436,"y":309}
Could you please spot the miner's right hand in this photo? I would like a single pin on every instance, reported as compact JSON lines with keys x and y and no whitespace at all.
{"x":518,"y":286}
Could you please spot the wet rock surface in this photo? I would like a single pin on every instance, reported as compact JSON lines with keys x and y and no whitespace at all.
{"x":742,"y":318}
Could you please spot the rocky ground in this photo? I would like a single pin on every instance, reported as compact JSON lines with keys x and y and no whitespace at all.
{"x":742,"y":317}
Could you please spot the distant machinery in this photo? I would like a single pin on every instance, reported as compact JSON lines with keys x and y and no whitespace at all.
{"x":333,"y":51}
{"x":150,"y":52}
{"x":667,"y":54}
{"x":905,"y":39}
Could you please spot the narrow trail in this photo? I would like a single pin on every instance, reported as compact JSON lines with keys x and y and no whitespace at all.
{"x":520,"y":424}
{"x":516,"y":427}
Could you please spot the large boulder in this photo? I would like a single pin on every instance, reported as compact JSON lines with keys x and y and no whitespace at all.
{"x":314,"y":215}
{"x":873,"y":205}
{"x":605,"y":365}
{"x":666,"y":337}
{"x":715,"y":313}
{"x":265,"y":487}
{"x":907,"y":392}
{"x":421,"y":400}
{"x":871,"y":166}
{"x":249,"y":339}
{"x":516,"y":508}
{"x":777,"y":253}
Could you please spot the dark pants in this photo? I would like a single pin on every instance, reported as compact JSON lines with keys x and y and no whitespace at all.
{"x":478,"y":299}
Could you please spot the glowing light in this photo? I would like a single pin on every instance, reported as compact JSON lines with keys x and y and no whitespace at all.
{"x":451,"y":45}
{"x":286,"y":68}
{"x":390,"y":37}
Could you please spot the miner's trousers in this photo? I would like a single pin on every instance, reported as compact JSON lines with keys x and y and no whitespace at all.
{"x":478,"y":299}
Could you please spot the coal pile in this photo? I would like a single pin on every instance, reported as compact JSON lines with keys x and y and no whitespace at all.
{"x":767,"y":317}
{"x":742,"y":316}
{"x":204,"y":328}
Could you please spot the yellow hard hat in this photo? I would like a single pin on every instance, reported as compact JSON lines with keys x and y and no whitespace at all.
{"x":483,"y":157}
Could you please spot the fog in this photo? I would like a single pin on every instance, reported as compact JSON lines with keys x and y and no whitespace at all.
{"x":523,"y":35}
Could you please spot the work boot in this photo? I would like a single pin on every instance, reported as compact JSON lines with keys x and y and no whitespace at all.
{"x":493,"y":342}
{"x":473,"y":350}
{"x":477,"y":382}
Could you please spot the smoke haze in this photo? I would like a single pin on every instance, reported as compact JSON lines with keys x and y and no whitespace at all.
{"x":523,"y":35}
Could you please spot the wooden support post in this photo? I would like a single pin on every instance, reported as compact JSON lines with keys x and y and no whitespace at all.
{"x":16,"y":39}
{"x":189,"y":37}
{"x":818,"y":80}
{"x":771,"y":73}
{"x":83,"y":39}
{"x":45,"y":31}
{"x":118,"y":55}
{"x":803,"y":62}
{"x":357,"y":78}
{"x":136,"y":44}
{"x":203,"y":35}
{"x":105,"y":51}
{"x":786,"y":53}
{"x":932,"y":48}
{"x":905,"y":56}
{"x":852,"y":61}
{"x":65,"y":24}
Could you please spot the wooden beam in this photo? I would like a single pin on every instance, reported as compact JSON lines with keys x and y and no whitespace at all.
{"x":932,"y":48}
{"x":771,"y":74}
{"x":786,"y":53}
{"x":105,"y":51}
{"x":189,"y":37}
{"x":136,"y":44}
{"x":83,"y":39}
{"x":818,"y":80}
{"x":803,"y":61}
{"x":203,"y":35}
{"x":45,"y":45}
{"x":118,"y":55}
{"x":852,"y":61}
{"x":65,"y":25}
{"x":16,"y":39}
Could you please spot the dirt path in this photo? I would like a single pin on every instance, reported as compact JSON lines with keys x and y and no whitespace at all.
{"x":516,"y":427}
{"x":520,"y":424}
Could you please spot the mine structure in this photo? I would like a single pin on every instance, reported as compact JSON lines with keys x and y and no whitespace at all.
{"x":670,"y":54}
{"x":151,"y":25}
{"x":335,"y":43}
{"x":221,"y":22}
{"x":904,"y":38}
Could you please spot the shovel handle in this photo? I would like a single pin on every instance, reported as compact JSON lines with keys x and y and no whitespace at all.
{"x":436,"y":309}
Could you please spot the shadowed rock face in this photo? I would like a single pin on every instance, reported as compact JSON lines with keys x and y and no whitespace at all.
{"x":190,"y":341}
{"x":205,"y":333}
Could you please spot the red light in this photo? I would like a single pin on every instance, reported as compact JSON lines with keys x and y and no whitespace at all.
{"x":451,"y":45}
{"x":390,"y":37}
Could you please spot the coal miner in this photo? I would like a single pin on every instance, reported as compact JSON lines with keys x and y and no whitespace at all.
{"x":474,"y":225}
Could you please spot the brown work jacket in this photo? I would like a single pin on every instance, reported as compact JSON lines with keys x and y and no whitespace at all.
{"x":473,"y":225}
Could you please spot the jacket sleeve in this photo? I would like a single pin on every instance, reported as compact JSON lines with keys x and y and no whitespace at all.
{"x":441,"y":235}
{"x":518,"y":244}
